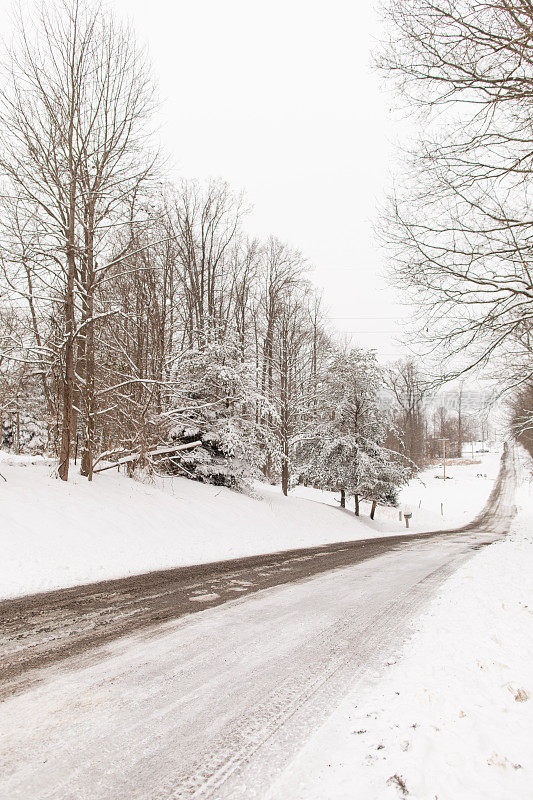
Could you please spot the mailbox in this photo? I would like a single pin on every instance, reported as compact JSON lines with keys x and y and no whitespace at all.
{"x":407,"y":516}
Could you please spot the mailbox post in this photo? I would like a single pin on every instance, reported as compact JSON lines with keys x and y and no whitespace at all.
{"x":407,"y":517}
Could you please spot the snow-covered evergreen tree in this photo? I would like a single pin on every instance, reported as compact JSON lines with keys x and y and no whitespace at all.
{"x":214,"y":401}
{"x":346,"y":452}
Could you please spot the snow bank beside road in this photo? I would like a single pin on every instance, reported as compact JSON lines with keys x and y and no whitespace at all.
{"x":453,"y":718}
{"x":54,"y":535}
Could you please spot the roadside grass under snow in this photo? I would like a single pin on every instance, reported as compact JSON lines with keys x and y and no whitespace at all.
{"x":451,"y":718}
{"x":55,"y":535}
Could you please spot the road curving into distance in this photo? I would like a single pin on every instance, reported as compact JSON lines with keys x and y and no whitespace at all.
{"x":40,"y":630}
{"x":119,"y":691}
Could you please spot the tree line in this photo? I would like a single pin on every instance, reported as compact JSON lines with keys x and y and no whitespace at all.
{"x":138,"y":315}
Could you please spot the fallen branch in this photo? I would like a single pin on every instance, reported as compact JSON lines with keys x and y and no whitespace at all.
{"x":159,"y":451}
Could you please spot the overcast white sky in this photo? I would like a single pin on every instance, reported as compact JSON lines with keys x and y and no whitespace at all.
{"x":279,"y":99}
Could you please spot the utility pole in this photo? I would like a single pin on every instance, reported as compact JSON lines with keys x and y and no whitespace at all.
{"x":443,"y":440}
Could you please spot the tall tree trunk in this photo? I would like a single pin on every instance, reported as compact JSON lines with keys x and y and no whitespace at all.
{"x":69,"y":373}
{"x":343,"y":498}
{"x":356,"y":505}
{"x":87,"y":458}
{"x":267,"y":381}
{"x":284,"y":398}
{"x":68,"y":381}
{"x":90,"y":400}
{"x":81,"y":353}
{"x":285,"y":476}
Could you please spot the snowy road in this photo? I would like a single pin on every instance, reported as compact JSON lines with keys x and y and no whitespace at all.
{"x":213,"y":705}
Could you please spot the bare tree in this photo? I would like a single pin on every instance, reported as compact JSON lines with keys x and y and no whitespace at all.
{"x":408,"y":388}
{"x":75,"y":111}
{"x":460,"y":229}
{"x":206,"y":224}
{"x":282,"y":271}
{"x":296,"y":338}
{"x":521,"y":416}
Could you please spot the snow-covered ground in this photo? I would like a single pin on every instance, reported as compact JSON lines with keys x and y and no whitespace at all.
{"x":214,"y":705}
{"x":230,"y":702}
{"x":54,"y":535}
{"x":451,"y":717}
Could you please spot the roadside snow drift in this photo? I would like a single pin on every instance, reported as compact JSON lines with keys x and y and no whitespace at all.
{"x":55,"y":535}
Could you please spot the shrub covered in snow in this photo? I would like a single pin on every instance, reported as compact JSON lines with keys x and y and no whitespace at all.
{"x":213,"y":397}
{"x":25,"y":432}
